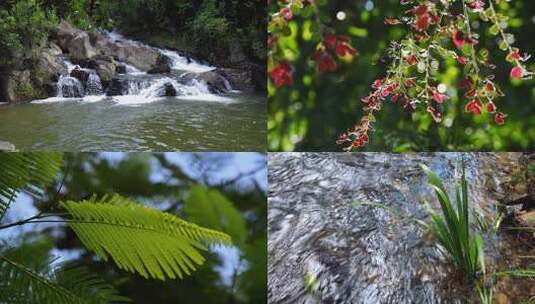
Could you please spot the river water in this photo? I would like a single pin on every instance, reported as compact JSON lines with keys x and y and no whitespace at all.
{"x":236,"y":122}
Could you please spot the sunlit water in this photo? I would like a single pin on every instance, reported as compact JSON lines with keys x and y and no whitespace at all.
{"x":236,"y":122}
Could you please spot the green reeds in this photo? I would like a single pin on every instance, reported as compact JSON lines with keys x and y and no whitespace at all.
{"x":452,"y":229}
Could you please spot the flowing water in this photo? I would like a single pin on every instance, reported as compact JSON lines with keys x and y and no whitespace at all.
{"x":82,"y":118}
{"x":323,"y":247}
{"x":130,"y":123}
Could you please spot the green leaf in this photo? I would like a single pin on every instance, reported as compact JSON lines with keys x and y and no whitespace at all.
{"x":29,"y":171}
{"x":26,"y":276}
{"x":208,"y":207}
{"x":139,"y":239}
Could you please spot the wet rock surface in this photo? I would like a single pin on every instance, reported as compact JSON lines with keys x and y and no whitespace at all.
{"x":323,"y":247}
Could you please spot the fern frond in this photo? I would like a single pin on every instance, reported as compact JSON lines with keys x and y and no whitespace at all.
{"x":139,"y":239}
{"x":29,"y":171}
{"x":66,"y":284}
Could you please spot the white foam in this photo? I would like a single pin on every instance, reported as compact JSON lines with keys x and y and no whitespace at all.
{"x":181,"y":63}
{"x":86,"y":99}
{"x":132,"y":70}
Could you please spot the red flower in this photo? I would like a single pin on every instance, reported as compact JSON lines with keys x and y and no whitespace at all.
{"x":462,"y":60}
{"x":517,"y":72}
{"x":514,"y":55}
{"x":343,"y":48}
{"x":325,"y":61}
{"x":423,"y":21}
{"x":458,"y":38}
{"x":476,"y":5}
{"x":411,"y":59}
{"x":377,"y":83}
{"x":438,"y":97}
{"x":474,"y":106}
{"x":491,"y":107}
{"x":466,"y":84}
{"x":282,"y":74}
{"x":330,"y":41}
{"x":286,"y":13}
{"x":499,"y":118}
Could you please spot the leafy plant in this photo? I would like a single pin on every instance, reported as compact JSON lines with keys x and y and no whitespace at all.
{"x":452,"y":229}
{"x":23,"y":27}
{"x":138,"y":239}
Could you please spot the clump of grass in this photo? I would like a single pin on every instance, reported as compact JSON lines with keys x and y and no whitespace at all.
{"x":452,"y":229}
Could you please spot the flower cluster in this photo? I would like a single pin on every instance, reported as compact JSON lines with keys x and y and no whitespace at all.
{"x":329,"y":46}
{"x":438,"y":32}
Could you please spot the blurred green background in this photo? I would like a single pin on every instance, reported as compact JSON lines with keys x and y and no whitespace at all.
{"x":310,"y":115}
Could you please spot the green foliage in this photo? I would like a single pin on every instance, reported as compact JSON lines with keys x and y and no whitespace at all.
{"x":30,"y":171}
{"x":23,"y":27}
{"x":211,"y":209}
{"x":209,"y":24}
{"x":452,"y":229}
{"x":133,"y":175}
{"x":28,"y":277}
{"x":140,"y":239}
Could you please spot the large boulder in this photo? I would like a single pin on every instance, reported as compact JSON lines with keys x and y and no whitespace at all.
{"x":169,"y":90}
{"x":121,"y":85}
{"x":64,"y":34}
{"x":141,"y":56}
{"x":163,"y":65}
{"x":81,"y":74}
{"x":80,"y":47}
{"x":120,"y":69}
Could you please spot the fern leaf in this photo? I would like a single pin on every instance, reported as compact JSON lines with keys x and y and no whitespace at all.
{"x":25,"y":170}
{"x":139,"y":239}
{"x":66,"y":284}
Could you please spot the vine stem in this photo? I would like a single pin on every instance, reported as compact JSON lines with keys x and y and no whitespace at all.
{"x":33,"y":219}
{"x":494,"y":19}
{"x":469,"y":31}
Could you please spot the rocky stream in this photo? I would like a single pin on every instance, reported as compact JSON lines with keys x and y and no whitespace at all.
{"x":323,"y":247}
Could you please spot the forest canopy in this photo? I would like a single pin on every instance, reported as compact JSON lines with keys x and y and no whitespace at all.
{"x":195,"y":26}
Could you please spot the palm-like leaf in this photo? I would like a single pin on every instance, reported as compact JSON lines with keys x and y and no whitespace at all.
{"x":26,"y":276}
{"x":139,"y":239}
{"x":25,"y":171}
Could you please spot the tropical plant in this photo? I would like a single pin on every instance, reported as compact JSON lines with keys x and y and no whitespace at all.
{"x":430,"y":76}
{"x":452,"y":229}
{"x":138,"y":239}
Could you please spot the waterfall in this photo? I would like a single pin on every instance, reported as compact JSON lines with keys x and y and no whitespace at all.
{"x":93,"y":85}
{"x":132,"y":70}
{"x":69,"y":87}
{"x":185,"y":64}
{"x":137,"y":85}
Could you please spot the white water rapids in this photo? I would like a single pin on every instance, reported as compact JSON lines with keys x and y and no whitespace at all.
{"x":140,"y":88}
